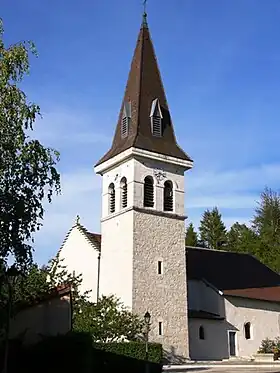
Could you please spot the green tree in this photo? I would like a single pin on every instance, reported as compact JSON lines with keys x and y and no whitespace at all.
{"x":107,"y":321}
{"x":191,"y":236}
{"x":212,"y":230}
{"x":243,"y":239}
{"x":27,"y":168}
{"x":266,"y":224}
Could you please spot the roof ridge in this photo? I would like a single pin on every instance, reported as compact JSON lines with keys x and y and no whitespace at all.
{"x":86,"y":232}
{"x":219,"y":251}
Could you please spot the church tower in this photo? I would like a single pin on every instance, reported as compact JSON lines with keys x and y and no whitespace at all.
{"x":142,"y":226}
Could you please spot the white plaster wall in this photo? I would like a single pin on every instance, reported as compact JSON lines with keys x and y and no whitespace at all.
{"x":81,"y":257}
{"x":264,"y":319}
{"x":116,"y":257}
{"x":202,"y":297}
{"x":215,"y":344}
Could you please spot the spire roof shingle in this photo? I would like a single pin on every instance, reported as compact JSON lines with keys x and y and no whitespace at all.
{"x":144,"y":85}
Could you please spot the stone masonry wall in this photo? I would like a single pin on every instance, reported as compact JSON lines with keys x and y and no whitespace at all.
{"x":160,"y":238}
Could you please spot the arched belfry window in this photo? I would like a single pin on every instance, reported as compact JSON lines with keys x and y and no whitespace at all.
{"x":126,"y":116}
{"x":148,"y":192}
{"x":123,"y":192}
{"x":201,"y":332}
{"x":156,"y":118}
{"x":168,"y":196}
{"x":112,"y":198}
{"x":247,"y":330}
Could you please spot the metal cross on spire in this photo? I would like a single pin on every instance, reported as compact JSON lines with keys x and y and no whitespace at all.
{"x":144,"y":23}
{"x":145,"y":5}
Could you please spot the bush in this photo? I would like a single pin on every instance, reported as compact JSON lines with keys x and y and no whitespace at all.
{"x":267,"y":346}
{"x":271,"y":346}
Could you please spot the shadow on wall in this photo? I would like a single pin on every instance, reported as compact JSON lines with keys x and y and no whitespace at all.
{"x":49,"y":316}
{"x":171,"y":357}
{"x":213,"y":343}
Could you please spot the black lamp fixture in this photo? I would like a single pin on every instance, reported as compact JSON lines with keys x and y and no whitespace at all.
{"x":147,"y":318}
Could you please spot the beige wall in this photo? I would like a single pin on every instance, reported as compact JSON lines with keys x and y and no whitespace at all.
{"x":264,"y":319}
{"x":49,"y":318}
{"x":263,"y":316}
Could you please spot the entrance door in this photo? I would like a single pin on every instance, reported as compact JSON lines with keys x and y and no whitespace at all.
{"x":232,"y":347}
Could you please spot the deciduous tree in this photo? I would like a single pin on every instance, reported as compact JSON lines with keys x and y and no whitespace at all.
{"x":108,"y":321}
{"x":27,"y":168}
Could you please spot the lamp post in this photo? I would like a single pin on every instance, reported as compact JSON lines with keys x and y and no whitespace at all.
{"x":147,"y":319}
{"x":11,"y":276}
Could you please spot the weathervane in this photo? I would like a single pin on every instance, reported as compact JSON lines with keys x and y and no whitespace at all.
{"x":145,"y":6}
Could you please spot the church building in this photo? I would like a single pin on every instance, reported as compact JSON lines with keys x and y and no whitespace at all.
{"x":204,"y":304}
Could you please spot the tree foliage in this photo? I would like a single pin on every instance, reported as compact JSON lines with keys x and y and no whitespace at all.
{"x":191,"y":236}
{"x":242,"y":239}
{"x":27,"y":168}
{"x":212,"y":230}
{"x":108,"y":320}
{"x":266,"y":224}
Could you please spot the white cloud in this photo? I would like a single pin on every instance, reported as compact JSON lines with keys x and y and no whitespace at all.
{"x":66,"y":128}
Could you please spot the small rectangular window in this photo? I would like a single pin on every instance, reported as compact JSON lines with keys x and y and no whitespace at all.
{"x":160,"y":328}
{"x":159,"y":267}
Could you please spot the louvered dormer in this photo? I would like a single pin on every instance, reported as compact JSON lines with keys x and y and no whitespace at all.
{"x":156,"y":118}
{"x":126,"y":116}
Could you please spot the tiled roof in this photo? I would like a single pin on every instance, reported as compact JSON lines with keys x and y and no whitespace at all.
{"x":143,"y":86}
{"x":93,"y":238}
{"x":229,"y":271}
{"x":56,"y":292}
{"x":269,"y":294}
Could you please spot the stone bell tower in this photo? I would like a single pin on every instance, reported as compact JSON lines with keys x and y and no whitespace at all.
{"x":142,"y":225}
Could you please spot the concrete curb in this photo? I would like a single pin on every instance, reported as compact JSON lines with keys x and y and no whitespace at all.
{"x":170,"y":368}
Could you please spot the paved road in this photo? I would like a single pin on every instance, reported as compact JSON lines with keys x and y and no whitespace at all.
{"x":229,"y":370}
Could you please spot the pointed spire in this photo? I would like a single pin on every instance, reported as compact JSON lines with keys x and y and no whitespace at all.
{"x":144,"y":88}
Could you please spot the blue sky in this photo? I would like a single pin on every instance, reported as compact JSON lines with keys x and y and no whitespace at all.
{"x":220,"y":63}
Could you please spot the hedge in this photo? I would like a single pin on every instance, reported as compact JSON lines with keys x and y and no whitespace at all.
{"x":75,"y":352}
{"x":136,"y":350}
{"x":126,"y":357}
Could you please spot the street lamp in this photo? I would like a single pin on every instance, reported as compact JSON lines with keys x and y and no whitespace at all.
{"x":11,"y":275}
{"x":147,"y":319}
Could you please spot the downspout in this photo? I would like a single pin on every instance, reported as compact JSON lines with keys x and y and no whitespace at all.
{"x":98,"y":276}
